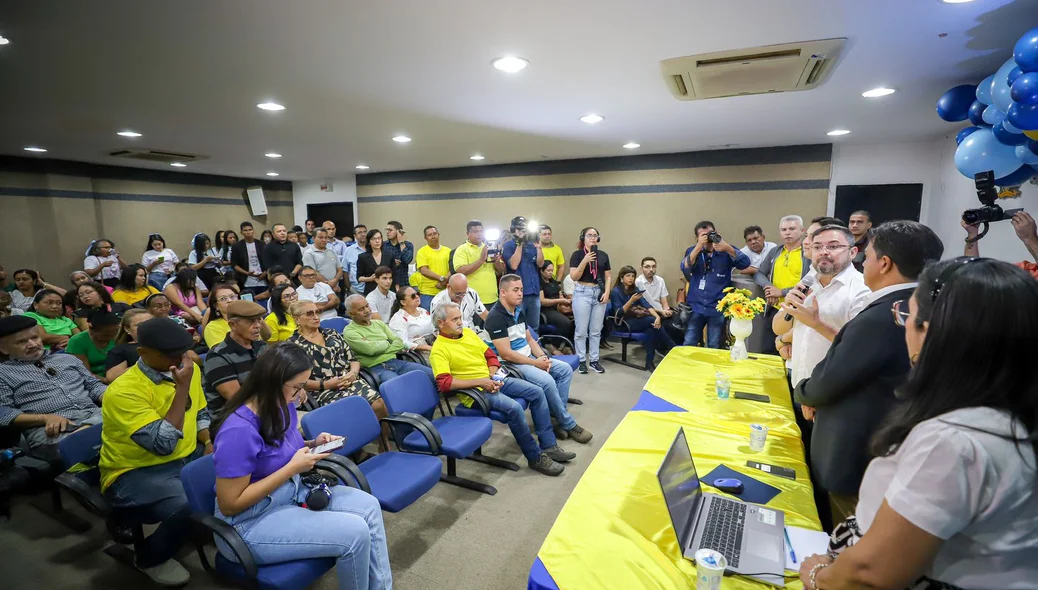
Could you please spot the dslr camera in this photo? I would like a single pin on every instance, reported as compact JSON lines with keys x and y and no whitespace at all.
{"x":988,"y":212}
{"x":714,"y":237}
{"x":523,"y":231}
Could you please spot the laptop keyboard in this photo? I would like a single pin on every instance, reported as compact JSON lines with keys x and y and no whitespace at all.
{"x":723,"y":530}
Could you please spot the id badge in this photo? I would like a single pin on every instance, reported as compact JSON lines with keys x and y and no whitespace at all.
{"x":702,"y":284}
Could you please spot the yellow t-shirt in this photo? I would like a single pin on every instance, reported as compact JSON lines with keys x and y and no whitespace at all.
{"x":554,"y":254}
{"x":279,"y":333}
{"x":438,"y":261}
{"x":484,"y":280}
{"x":788,"y":267}
{"x":133,"y":297}
{"x":132,"y":402}
{"x":215,"y":332}
{"x":462,"y":358}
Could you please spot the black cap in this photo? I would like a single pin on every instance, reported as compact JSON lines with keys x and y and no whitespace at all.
{"x":165,"y":336}
{"x":14,"y":324}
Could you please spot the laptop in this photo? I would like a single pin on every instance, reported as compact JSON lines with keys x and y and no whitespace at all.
{"x":748,"y":535}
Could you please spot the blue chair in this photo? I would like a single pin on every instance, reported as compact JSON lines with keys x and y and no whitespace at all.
{"x":337,"y":323}
{"x":412,"y":400}
{"x":623,"y":331}
{"x":372,"y":379}
{"x":396,"y":479}
{"x":199,"y":481}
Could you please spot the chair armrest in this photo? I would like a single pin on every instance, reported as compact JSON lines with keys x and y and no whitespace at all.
{"x":369,"y":377}
{"x":419,"y":423}
{"x":412,"y":356}
{"x":88,"y":497}
{"x":230,"y":536}
{"x":512,"y":371}
{"x":345,"y":470}
{"x":564,"y":340}
{"x":477,"y":400}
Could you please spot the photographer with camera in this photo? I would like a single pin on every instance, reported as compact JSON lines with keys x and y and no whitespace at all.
{"x":523,"y":256}
{"x":707,"y":266}
{"x":1024,"y":226}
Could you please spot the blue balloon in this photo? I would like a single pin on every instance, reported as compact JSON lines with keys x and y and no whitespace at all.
{"x":1026,"y":51}
{"x":1000,"y":86}
{"x":961,"y":135}
{"x":1025,"y":89}
{"x":993,"y":116}
{"x":1026,"y":155}
{"x":981,"y":152}
{"x":1023,"y":116}
{"x":1013,"y":139}
{"x":984,"y":90}
{"x":954,"y":105}
{"x":1013,"y":75}
{"x":976,"y":112}
{"x":1022,"y":175}
{"x":1009,"y":127}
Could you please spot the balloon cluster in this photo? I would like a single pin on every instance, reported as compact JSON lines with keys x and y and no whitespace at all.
{"x":1003,"y":110}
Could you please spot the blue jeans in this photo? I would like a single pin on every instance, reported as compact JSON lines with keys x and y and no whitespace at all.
{"x":555,"y":384}
{"x":504,"y":402}
{"x":150,"y":495}
{"x":657,"y":337}
{"x":158,"y":279}
{"x":350,"y":529}
{"x":394,"y":368}
{"x":714,"y":330}
{"x":426,"y":301}
{"x":532,"y":311}
{"x":588,"y":315}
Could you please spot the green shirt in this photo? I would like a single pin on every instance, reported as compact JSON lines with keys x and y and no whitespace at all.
{"x":60,"y":326}
{"x":83,"y":344}
{"x":372,"y":344}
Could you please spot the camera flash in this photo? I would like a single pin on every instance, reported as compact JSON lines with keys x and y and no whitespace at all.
{"x":533,"y":224}
{"x":492,"y":234}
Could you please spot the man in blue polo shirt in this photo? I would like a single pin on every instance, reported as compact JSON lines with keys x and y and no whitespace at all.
{"x":513,"y":342}
{"x":523,"y":256}
{"x":707,"y":267}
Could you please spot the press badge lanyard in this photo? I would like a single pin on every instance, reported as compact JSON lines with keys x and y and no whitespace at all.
{"x":702,"y":281}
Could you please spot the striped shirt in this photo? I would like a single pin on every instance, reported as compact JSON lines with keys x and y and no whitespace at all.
{"x":227,"y":361}
{"x":54,"y":384}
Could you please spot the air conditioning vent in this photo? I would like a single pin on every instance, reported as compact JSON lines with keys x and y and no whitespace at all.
{"x":155,"y":156}
{"x":760,"y":70}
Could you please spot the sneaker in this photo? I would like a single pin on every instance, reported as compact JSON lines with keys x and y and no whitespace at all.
{"x":560,"y":432}
{"x":579,"y":434}
{"x":545,"y":465}
{"x":169,"y":574}
{"x":582,"y":368}
{"x":557,"y":454}
{"x":597,"y":366}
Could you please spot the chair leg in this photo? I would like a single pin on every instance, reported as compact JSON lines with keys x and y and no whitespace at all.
{"x":623,"y":357}
{"x":57,"y":512}
{"x":452,"y":478}
{"x":478,"y":456}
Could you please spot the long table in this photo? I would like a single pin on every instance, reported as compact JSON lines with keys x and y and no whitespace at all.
{"x":614,"y":531}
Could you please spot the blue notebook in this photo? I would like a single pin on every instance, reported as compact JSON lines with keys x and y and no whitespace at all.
{"x":754,"y":490}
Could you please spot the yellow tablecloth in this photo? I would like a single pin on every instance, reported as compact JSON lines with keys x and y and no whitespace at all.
{"x":614,"y":532}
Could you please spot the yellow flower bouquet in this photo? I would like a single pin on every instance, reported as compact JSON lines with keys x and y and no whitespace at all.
{"x":740,"y":304}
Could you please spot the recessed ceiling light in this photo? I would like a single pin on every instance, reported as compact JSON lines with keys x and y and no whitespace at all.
{"x":362,"y":167}
{"x":632,"y":146}
{"x":4,"y":40}
{"x":510,"y":64}
{"x":592,"y":118}
{"x":35,"y":149}
{"x":129,"y":134}
{"x":878,"y":92}
{"x":401,"y":139}
{"x":178,"y":165}
{"x":476,"y":157}
{"x":271,"y":106}
{"x":272,"y":174}
{"x":836,"y":132}
{"x":272,"y":155}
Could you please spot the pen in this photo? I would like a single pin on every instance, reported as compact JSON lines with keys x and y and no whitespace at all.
{"x":789,"y":543}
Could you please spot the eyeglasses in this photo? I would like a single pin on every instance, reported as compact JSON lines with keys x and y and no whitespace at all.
{"x":834,"y":248}
{"x":296,"y":389}
{"x":225,"y":298}
{"x":50,"y":371}
{"x":590,"y":236}
{"x":165,"y":305}
{"x":411,"y":296}
{"x":900,"y":317}
{"x":313,"y":313}
{"x":290,"y":296}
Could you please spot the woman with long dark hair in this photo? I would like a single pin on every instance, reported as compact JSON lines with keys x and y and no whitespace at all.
{"x":259,"y":457}
{"x":281,"y":323}
{"x":589,"y":268}
{"x":630,"y":306}
{"x":133,"y":286}
{"x":216,"y":328}
{"x":186,"y":296}
{"x":159,"y":261}
{"x":951,"y":499}
{"x":267,"y":236}
{"x":27,"y":282}
{"x":91,"y":296}
{"x":556,"y":306}
{"x":374,"y":257}
{"x":230,"y":238}
{"x":203,"y":259}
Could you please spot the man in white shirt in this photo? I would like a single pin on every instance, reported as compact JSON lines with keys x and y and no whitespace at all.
{"x":382,"y":298}
{"x":654,"y":286}
{"x":324,"y":260}
{"x":757,"y":248}
{"x":468,"y":300}
{"x":312,"y":289}
{"x":838,"y":296}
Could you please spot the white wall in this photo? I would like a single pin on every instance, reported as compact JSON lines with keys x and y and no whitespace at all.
{"x":900,"y":163}
{"x":305,"y":192}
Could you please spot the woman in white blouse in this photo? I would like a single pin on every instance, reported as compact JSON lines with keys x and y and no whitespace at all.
{"x":410,"y":321}
{"x":159,"y":261}
{"x":951,"y":499}
{"x":103,"y":263}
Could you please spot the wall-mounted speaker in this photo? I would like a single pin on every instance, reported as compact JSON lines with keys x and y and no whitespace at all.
{"x":257,"y":201}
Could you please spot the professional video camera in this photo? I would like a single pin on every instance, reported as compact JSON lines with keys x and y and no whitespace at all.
{"x":523,"y":230}
{"x":989,"y":212}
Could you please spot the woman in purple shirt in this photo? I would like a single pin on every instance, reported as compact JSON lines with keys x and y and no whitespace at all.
{"x":259,"y":456}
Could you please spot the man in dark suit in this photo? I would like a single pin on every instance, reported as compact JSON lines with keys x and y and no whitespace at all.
{"x":851,"y":390}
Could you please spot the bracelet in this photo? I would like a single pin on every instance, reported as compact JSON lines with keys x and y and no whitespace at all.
{"x":320,"y":384}
{"x":814,"y":572}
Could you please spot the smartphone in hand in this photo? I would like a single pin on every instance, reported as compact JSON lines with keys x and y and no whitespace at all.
{"x":329,"y":446}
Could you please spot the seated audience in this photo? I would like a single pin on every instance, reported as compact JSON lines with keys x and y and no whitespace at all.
{"x":336,"y":371}
{"x":222,"y":295}
{"x":259,"y":458}
{"x":203,"y":259}
{"x":124,"y":355}
{"x":312,"y":289}
{"x":43,"y":394}
{"x":55,"y":328}
{"x":280,"y":321}
{"x":5,"y":305}
{"x":186,"y":297}
{"x":92,"y":347}
{"x":281,"y":253}
{"x":556,"y":306}
{"x":756,"y":249}
{"x":183,"y":265}
{"x":159,"y":261}
{"x":629,"y":304}
{"x":951,"y":498}
{"x":27,"y":283}
{"x":324,"y":260}
{"x":433,"y":264}
{"x":91,"y":296}
{"x":473,"y":261}
{"x":228,"y":363}
{"x":371,"y":259}
{"x":382,"y":297}
{"x":103,"y":263}
{"x":276,"y":278}
{"x":654,"y":288}
{"x":155,"y":422}
{"x":68,"y":298}
{"x":375,"y":345}
{"x":133,"y":286}
{"x":412,"y":323}
{"x":513,"y":342}
{"x":468,"y":299}
{"x":158,"y":306}
{"x":461,"y":360}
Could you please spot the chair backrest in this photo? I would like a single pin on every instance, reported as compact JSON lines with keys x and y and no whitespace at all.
{"x":338,"y":324}
{"x":81,"y":446}
{"x":410,"y":392}
{"x":199,"y":480}
{"x":351,"y":417}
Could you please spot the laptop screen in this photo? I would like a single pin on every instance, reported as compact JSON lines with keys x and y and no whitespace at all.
{"x":680,"y":484}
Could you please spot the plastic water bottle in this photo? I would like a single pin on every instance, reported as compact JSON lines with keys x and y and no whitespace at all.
{"x":723,"y":385}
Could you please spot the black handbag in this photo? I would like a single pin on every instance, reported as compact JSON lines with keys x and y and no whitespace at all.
{"x":678,"y":321}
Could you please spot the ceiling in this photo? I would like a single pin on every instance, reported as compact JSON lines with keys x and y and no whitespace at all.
{"x":188,"y":74}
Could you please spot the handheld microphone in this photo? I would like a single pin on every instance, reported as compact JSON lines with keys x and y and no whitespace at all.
{"x":805,"y":286}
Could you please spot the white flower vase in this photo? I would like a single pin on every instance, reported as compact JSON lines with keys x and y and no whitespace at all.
{"x":741,"y":329}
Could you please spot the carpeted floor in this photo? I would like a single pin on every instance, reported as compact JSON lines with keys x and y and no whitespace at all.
{"x":451,"y":538}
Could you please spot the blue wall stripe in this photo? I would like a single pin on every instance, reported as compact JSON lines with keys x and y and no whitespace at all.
{"x":774,"y":185}
{"x":794,"y":154}
{"x":65,"y":194}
